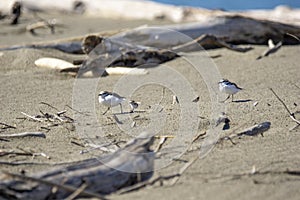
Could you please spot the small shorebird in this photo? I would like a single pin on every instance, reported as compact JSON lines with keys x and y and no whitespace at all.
{"x":133,"y":105}
{"x":229,"y":88}
{"x":110,"y":99}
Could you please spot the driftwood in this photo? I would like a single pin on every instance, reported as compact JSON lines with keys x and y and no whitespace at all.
{"x":53,"y":63}
{"x":256,"y":129}
{"x":105,"y":53}
{"x":148,"y":47}
{"x":42,"y":24}
{"x":227,"y":29}
{"x":251,"y":131}
{"x":230,"y":29}
{"x":125,"y":167}
{"x":153,"y":46}
{"x":73,"y":71}
{"x":115,"y":53}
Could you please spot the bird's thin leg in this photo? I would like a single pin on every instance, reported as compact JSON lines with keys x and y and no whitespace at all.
{"x":131,"y":110}
{"x":106,"y":111}
{"x":231,"y":98}
{"x":226,"y":99}
{"x":121,"y":108}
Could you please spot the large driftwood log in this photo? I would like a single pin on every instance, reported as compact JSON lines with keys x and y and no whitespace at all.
{"x":228,"y":29}
{"x":125,"y":167}
{"x":144,"y":46}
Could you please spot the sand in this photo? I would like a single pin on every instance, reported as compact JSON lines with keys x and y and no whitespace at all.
{"x":216,"y":176}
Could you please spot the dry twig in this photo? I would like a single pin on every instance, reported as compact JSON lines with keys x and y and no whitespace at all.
{"x":191,"y":162}
{"x":32,"y":117}
{"x":294,"y":36}
{"x":198,"y":136}
{"x":292,"y":115}
{"x":42,"y":24}
{"x":47,"y":104}
{"x":25,"y":153}
{"x":160,"y":144}
{"x":207,"y":40}
{"x":6,"y":126}
{"x":146,"y":183}
{"x":77,"y":111}
{"x":102,"y":147}
{"x":163,"y":95}
{"x":183,"y":169}
{"x":22,"y":163}
{"x":24,"y":134}
{"x":77,"y":192}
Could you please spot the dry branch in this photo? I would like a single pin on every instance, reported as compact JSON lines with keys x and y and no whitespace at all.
{"x":55,"y":119}
{"x":78,"y":192}
{"x":48,"y":183}
{"x":102,"y":147}
{"x":147,"y":183}
{"x":125,"y":167}
{"x":21,"y":163}
{"x":24,"y":134}
{"x":208,"y":41}
{"x":292,"y":115}
{"x":47,"y":104}
{"x":6,"y":126}
{"x":42,"y":24}
{"x":160,"y":144}
{"x":183,"y":169}
{"x":293,"y":36}
{"x":32,"y":117}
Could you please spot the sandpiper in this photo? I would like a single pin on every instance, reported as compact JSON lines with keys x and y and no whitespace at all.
{"x":110,"y":99}
{"x":229,"y":88}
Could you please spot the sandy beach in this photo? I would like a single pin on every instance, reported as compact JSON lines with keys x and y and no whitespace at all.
{"x":225,"y":173}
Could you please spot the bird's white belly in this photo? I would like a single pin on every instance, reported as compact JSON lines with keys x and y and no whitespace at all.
{"x":229,"y":89}
{"x":110,"y":101}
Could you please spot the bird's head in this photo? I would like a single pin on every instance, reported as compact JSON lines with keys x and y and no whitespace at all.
{"x":103,"y":93}
{"x":223,"y":80}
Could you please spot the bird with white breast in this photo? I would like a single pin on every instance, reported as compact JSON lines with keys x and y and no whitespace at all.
{"x":229,"y":88}
{"x":110,"y":99}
